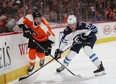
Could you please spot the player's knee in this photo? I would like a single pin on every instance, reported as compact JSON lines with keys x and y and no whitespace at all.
{"x":88,"y":51}
{"x":32,"y":53}
{"x":40,"y":55}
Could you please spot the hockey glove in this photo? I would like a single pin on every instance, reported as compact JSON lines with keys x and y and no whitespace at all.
{"x":27,"y":33}
{"x":58,"y":54}
{"x":48,"y":51}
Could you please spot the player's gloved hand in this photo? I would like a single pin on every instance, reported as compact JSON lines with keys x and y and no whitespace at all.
{"x":48,"y":51}
{"x":27,"y":33}
{"x":57,"y":54}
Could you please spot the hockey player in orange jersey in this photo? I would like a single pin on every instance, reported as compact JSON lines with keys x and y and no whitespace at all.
{"x":35,"y":26}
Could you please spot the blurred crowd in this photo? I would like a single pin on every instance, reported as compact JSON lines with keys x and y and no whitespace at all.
{"x":56,"y":11}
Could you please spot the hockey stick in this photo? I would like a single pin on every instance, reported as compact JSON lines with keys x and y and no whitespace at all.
{"x":53,"y":57}
{"x":42,"y":66}
{"x":35,"y":70}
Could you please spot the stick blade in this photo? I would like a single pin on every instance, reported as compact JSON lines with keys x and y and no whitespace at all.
{"x":22,"y":78}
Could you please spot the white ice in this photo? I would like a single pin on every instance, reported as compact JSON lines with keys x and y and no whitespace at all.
{"x":81,"y":65}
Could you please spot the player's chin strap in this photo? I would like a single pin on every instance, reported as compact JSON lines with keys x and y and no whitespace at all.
{"x":53,"y":57}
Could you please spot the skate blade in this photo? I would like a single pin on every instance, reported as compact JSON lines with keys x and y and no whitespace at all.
{"x":100,"y":73}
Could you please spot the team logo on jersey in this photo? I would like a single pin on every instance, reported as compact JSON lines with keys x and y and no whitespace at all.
{"x":107,"y":29}
{"x":77,"y":40}
{"x":114,"y":28}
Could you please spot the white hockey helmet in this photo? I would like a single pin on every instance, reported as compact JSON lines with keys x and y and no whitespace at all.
{"x":71,"y":19}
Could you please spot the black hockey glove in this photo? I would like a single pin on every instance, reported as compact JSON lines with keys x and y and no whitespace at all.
{"x":57,"y":54}
{"x":27,"y":33}
{"x":48,"y":51}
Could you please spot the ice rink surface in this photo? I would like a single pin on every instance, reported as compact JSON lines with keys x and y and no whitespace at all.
{"x":79,"y":65}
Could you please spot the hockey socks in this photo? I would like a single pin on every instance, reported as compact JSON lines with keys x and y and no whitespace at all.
{"x":66,"y":61}
{"x":95,"y":60}
{"x":93,"y":57}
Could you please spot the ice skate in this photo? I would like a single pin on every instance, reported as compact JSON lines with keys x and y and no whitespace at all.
{"x":42,"y":62}
{"x":60,"y":69}
{"x":30,"y":69}
{"x":100,"y":70}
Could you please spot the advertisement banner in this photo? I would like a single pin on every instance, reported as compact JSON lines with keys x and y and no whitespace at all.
{"x":106,"y":30}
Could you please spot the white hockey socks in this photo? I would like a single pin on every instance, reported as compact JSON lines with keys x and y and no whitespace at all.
{"x":93,"y":57}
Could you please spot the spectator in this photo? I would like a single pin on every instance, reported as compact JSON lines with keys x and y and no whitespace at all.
{"x":4,"y":9}
{"x":14,"y":9}
{"x":46,"y":14}
{"x":3,"y":22}
{"x":114,"y":15}
{"x":53,"y":16}
{"x":64,"y":20}
{"x":58,"y":10}
{"x":10,"y":25}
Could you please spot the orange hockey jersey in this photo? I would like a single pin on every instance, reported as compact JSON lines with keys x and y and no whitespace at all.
{"x":42,"y":31}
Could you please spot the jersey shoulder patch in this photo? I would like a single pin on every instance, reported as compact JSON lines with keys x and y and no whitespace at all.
{"x":29,"y":17}
{"x":67,"y":30}
{"x":80,"y":23}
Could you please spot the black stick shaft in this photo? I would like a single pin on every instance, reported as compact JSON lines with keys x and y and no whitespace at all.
{"x":53,"y":57}
{"x":36,"y":70}
{"x":43,"y":66}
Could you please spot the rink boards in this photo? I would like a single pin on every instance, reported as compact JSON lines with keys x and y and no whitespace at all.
{"x":14,"y":51}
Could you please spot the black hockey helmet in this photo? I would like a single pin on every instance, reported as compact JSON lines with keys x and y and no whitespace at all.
{"x":36,"y":14}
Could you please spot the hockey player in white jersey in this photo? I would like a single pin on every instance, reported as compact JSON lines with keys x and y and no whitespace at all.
{"x":83,"y":35}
